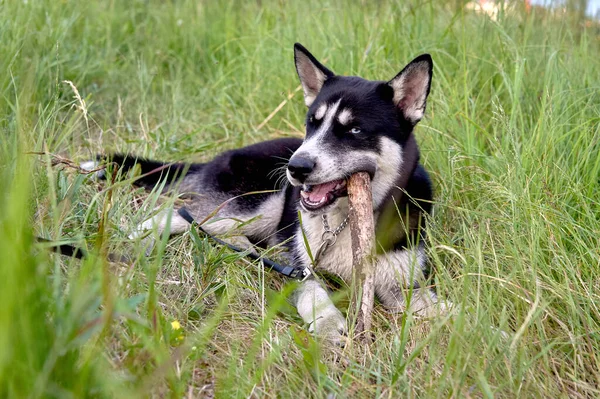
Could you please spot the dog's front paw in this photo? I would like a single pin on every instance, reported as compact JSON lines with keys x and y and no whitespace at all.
{"x":331,"y":326}
{"x":435,"y":308}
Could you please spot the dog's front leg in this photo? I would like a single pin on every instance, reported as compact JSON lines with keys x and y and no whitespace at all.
{"x":317,"y":310}
{"x":400,"y":284}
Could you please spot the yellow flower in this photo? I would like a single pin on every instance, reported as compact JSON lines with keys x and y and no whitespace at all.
{"x":175,"y":325}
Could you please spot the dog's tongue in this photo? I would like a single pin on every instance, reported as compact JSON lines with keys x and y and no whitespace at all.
{"x":321,"y":190}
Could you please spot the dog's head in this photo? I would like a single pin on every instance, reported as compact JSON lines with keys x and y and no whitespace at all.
{"x":354,"y":125}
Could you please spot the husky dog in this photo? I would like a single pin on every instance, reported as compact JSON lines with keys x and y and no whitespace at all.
{"x":352,"y":125}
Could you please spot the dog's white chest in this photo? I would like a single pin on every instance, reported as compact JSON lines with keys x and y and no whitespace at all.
{"x":335,"y":258}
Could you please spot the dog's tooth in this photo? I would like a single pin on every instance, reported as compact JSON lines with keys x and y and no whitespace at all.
{"x":304,"y":194}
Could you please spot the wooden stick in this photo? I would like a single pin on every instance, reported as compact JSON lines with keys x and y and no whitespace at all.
{"x":362,"y":232}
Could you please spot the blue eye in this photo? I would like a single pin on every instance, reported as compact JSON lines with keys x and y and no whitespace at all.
{"x":355,"y":130}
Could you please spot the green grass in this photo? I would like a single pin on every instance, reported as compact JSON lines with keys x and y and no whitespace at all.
{"x":511,"y":137}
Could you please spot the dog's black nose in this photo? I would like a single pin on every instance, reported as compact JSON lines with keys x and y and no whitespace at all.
{"x":300,"y":167}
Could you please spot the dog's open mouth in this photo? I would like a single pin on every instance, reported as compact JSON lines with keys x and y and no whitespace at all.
{"x":320,"y":195}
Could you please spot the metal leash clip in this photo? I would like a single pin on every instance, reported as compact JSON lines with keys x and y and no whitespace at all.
{"x":306,"y":273}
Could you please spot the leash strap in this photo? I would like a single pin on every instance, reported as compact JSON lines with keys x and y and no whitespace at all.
{"x":300,"y":273}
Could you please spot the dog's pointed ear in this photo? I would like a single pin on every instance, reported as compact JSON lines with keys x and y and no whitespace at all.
{"x":311,"y":72}
{"x":411,"y":88}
